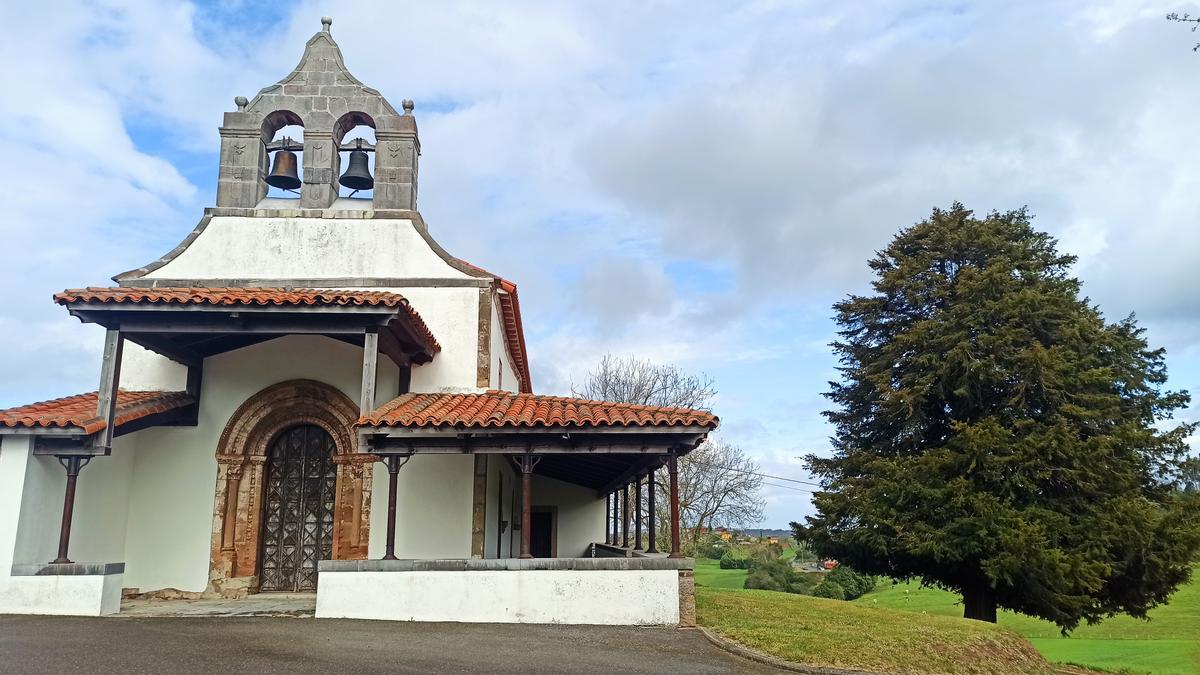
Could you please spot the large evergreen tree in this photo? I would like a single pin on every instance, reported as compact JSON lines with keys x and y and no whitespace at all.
{"x":995,"y":436}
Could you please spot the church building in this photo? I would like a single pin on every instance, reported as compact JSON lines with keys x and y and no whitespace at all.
{"x":309,"y":395}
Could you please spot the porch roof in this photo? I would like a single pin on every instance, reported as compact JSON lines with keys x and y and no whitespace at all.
{"x":76,"y":415}
{"x":189,"y":323}
{"x":596,"y":444}
{"x":496,"y":409}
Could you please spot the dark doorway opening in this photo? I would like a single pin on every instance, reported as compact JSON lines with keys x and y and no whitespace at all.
{"x":541,"y":533}
{"x":298,"y":497}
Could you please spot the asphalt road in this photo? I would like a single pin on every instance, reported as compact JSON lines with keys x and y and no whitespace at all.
{"x":252,"y":645}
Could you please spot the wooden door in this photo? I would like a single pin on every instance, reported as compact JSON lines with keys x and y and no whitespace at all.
{"x":298,"y":495}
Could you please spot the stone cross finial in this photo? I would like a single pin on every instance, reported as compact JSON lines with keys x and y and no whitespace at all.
{"x":326,"y":22}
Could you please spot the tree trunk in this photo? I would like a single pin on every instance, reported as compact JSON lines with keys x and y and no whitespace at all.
{"x":979,"y":603}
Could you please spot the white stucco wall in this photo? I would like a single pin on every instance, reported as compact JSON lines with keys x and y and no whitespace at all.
{"x":85,"y":595}
{"x":501,"y":482}
{"x":29,"y":520}
{"x":306,"y":248}
{"x":433,"y":508}
{"x":14,"y":461}
{"x":452,"y":314}
{"x":143,"y":370}
{"x":646,"y":597}
{"x":580,"y":515}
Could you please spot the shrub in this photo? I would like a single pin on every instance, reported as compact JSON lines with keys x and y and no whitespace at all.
{"x":853,"y":583}
{"x":759,"y":579}
{"x":735,"y":559}
{"x":828,"y":589}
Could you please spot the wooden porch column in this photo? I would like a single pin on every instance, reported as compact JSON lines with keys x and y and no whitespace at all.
{"x":673,"y":472}
{"x":110,"y":382}
{"x":394,"y":462}
{"x":366,"y":401}
{"x":616,"y":518}
{"x":637,"y":513}
{"x":650,"y":490}
{"x":72,"y":464}
{"x":625,"y":516}
{"x":526,"y":463}
{"x":607,"y":518}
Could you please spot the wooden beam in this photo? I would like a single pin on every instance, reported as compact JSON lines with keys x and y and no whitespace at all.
{"x":636,"y":469}
{"x":110,"y":379}
{"x":384,"y":445}
{"x":330,"y":282}
{"x":390,"y":346}
{"x":561,"y":432}
{"x":370,"y":357}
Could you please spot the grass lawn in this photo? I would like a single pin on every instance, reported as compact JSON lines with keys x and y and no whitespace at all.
{"x":1168,"y":643}
{"x":709,"y":573}
{"x":849,"y":635}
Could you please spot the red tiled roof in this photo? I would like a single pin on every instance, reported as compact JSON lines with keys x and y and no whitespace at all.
{"x":514,"y":333}
{"x":241,"y":297}
{"x":80,"y":410}
{"x":505,"y":409}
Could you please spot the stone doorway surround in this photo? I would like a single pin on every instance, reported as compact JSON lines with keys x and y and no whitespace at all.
{"x":241,"y":457}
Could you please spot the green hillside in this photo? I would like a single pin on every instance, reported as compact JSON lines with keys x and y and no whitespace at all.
{"x":1169,"y":642}
{"x":841,"y":634}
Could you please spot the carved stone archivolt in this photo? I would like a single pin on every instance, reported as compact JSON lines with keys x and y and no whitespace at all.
{"x":241,"y":457}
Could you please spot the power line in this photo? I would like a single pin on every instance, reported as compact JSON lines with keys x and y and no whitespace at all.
{"x":756,"y":473}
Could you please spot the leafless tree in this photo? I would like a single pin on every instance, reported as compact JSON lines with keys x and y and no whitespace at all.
{"x":1187,"y":18}
{"x":717,"y":481}
{"x":633,"y":380}
{"x":718,"y":485}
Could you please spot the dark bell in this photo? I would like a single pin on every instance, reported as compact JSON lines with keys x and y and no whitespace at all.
{"x":357,"y":176}
{"x":284,"y":175}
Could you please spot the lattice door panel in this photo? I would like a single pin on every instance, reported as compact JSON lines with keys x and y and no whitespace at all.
{"x":298,"y":501}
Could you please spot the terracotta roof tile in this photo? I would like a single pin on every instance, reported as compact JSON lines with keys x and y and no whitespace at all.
{"x":80,"y":410}
{"x":242,"y":297}
{"x":494,"y":409}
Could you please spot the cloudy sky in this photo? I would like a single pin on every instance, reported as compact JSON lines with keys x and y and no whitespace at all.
{"x":692,"y":183}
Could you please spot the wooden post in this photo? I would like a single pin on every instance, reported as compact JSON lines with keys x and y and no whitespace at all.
{"x":637,"y":513}
{"x":393,"y":466}
{"x":526,"y":463}
{"x":366,"y":402}
{"x":110,"y":381}
{"x":673,"y":472}
{"x":650,"y":490}
{"x":625,"y":516}
{"x":616,"y":518}
{"x":72,"y":464}
{"x":607,"y":518}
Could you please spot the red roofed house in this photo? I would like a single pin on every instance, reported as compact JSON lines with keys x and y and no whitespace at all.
{"x":309,"y":394}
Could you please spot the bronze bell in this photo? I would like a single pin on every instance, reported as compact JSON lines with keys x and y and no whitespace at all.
{"x":358,"y":175}
{"x":284,"y":175}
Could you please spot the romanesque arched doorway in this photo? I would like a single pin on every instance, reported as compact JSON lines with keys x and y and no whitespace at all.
{"x":307,"y":412}
{"x":299,"y":491}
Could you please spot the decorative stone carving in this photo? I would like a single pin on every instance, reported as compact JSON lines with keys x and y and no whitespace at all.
{"x":241,"y":456}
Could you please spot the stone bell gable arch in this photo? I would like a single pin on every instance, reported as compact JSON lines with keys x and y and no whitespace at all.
{"x":241,"y":458}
